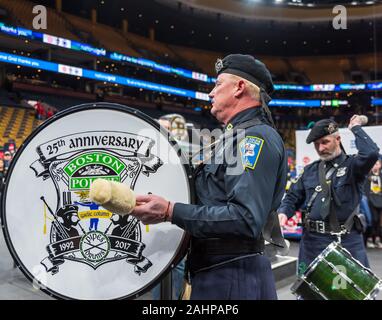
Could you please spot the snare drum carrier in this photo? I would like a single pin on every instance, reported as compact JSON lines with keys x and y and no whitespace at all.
{"x":334,"y":274}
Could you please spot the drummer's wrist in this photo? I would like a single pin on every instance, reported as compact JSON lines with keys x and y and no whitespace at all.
{"x":169,"y":211}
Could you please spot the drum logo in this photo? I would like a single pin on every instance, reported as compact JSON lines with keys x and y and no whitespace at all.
{"x":95,"y":246}
{"x":80,"y":230}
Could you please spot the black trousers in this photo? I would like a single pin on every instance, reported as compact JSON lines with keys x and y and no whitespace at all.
{"x":249,"y":278}
{"x":376,"y":229}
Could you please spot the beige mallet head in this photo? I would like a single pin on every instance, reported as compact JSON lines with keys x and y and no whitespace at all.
{"x":113,"y":196}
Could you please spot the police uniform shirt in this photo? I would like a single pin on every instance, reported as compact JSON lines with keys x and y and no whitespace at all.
{"x":347,"y":181}
{"x":238,"y":205}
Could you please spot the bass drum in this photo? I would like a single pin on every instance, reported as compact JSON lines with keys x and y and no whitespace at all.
{"x":68,"y":246}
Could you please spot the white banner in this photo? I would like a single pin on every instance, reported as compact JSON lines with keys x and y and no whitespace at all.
{"x":57,"y":41}
{"x":70,"y":70}
{"x":306,"y":153}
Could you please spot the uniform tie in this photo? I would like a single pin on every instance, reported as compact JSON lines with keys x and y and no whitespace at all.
{"x":326,"y":191}
{"x":326,"y":207}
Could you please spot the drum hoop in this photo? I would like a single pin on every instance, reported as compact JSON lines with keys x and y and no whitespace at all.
{"x":368,"y":270}
{"x":319,"y":258}
{"x":371,"y":296}
{"x":181,"y":250}
{"x":373,"y":293}
{"x":300,"y":281}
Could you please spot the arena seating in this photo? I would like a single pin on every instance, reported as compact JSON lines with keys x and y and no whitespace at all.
{"x":316,"y":69}
{"x":107,"y":36}
{"x":151,"y":46}
{"x":58,"y":97}
{"x":16,"y":124}
{"x":132,"y":44}
{"x":205,"y":60}
{"x":313,"y":69}
{"x":23,"y":12}
{"x":320,"y":69}
{"x":367,"y":64}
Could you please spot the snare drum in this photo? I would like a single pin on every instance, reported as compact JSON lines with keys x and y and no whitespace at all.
{"x":336,"y":275}
{"x":72,"y":248}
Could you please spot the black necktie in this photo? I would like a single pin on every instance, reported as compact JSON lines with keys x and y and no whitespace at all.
{"x":326,"y":190}
{"x":326,"y":207}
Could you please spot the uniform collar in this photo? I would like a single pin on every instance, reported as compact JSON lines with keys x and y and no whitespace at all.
{"x":245,"y":115}
{"x":336,"y":162}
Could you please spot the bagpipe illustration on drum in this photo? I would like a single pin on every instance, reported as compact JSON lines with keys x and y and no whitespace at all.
{"x":80,"y":230}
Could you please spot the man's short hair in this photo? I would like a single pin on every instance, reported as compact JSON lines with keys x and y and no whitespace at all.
{"x":253,"y":90}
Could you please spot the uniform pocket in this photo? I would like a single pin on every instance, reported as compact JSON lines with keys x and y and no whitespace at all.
{"x":343,"y":190}
{"x":310,"y":187}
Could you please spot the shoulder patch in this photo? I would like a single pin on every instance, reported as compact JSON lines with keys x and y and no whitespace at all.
{"x":250,"y":148}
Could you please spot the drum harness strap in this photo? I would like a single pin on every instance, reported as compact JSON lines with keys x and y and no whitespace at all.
{"x":325,"y":186}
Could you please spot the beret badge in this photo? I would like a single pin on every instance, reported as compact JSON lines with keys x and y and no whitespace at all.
{"x":219,"y":65}
{"x":332,"y":128}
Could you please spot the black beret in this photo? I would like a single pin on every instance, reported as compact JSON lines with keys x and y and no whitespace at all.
{"x":247,"y":67}
{"x":321,"y":129}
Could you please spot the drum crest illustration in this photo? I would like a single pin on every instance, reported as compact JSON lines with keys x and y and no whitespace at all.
{"x":78,"y":229}
{"x":66,"y":245}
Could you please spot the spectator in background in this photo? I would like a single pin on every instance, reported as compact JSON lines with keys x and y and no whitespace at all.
{"x":373,"y":191}
{"x":100,"y":94}
{"x":2,"y":174}
{"x":49,"y":113}
{"x":40,"y":110}
{"x":365,"y":210}
{"x":7,"y":161}
{"x":292,"y":173}
{"x":11,"y":146}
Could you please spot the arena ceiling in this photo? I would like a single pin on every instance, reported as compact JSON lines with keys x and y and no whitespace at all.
{"x":177,"y":23}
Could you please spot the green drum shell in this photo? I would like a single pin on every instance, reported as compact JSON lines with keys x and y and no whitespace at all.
{"x":336,"y":275}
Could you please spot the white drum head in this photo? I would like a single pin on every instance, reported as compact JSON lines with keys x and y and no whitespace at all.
{"x":70,"y":247}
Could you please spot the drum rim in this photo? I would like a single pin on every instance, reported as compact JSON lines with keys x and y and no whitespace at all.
{"x":320,"y":257}
{"x":375,"y":291}
{"x":312,"y":266}
{"x":182,"y":248}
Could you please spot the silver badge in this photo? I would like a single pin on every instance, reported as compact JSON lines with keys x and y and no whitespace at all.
{"x":332,"y":128}
{"x":219,"y":65}
{"x":341,"y":171}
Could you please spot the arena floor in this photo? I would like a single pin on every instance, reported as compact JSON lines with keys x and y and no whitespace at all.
{"x":14,"y":285}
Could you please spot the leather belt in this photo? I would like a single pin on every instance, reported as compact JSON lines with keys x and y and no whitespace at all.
{"x":319,"y":226}
{"x":215,"y":246}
